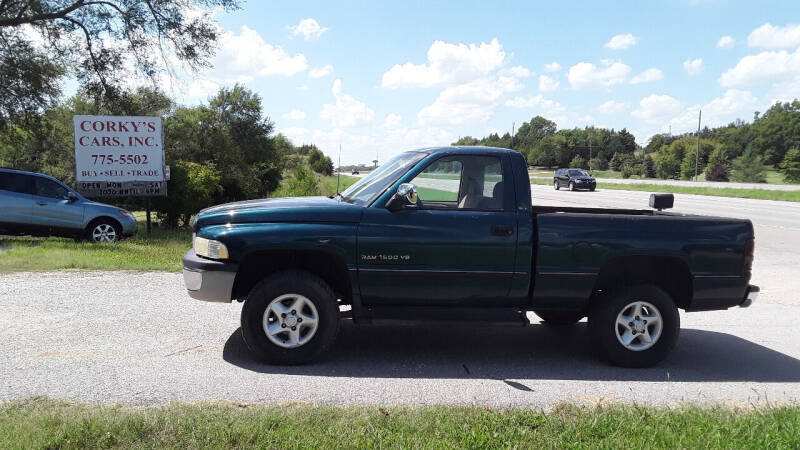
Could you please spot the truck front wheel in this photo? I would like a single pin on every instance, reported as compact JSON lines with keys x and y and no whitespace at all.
{"x":636,"y":326}
{"x":290,"y":318}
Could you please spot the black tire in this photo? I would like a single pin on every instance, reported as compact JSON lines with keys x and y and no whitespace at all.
{"x":290,"y":282}
{"x":603,"y":325}
{"x":571,"y":186}
{"x":591,"y":189}
{"x":103,"y":224}
{"x":556,"y":186}
{"x":560,"y":318}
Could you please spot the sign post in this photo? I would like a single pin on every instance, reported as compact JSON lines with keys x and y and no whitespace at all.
{"x":120,"y":156}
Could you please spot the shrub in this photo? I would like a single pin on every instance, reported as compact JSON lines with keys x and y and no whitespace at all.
{"x":668,"y":166}
{"x":302,"y":183}
{"x":616,"y":163}
{"x":649,"y":167}
{"x":627,"y":172}
{"x":191,"y":187}
{"x":718,"y":167}
{"x":790,"y":167}
{"x":598,"y":164}
{"x":749,"y":168}
{"x":578,"y":162}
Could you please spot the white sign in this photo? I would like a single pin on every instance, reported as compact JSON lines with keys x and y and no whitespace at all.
{"x":118,"y":148}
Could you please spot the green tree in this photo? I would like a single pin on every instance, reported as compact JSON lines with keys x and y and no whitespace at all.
{"x":687,"y":166}
{"x":749,"y":168}
{"x":616,"y":163}
{"x":232,"y":134}
{"x":790,"y":167}
{"x":42,"y":40}
{"x":597,"y":164}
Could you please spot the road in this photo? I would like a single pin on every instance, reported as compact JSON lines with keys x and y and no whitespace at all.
{"x":729,"y":185}
{"x":137,"y":338}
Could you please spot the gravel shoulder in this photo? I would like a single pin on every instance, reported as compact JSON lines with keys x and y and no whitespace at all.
{"x":137,"y":338}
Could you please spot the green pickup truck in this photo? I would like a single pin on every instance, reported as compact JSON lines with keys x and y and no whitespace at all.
{"x":448,"y":235}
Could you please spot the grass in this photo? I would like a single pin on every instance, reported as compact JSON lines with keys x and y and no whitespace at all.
{"x":162,"y":251}
{"x":327,"y":184}
{"x":760,"y":194}
{"x":42,"y":423}
{"x":772,"y":175}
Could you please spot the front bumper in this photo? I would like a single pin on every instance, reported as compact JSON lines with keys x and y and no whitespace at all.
{"x":208,"y":280}
{"x":752,"y":295}
{"x":129,"y":226}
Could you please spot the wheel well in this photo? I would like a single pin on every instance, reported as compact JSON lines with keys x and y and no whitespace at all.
{"x":98,"y":219}
{"x":258,"y":265}
{"x":669,"y":273}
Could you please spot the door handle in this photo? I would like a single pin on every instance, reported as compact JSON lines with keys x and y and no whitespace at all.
{"x":502,"y":230}
{"x":41,"y":203}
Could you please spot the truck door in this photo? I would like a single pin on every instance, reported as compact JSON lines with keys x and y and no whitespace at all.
{"x":457,"y":247}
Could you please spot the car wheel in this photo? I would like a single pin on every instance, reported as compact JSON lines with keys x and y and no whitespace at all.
{"x":290,"y":318}
{"x":104,"y":230}
{"x":591,"y":189}
{"x":555,"y":185}
{"x":635,"y":327}
{"x":560,"y":318}
{"x":571,"y":186}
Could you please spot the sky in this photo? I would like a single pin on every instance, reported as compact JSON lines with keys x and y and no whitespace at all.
{"x":379,"y":78}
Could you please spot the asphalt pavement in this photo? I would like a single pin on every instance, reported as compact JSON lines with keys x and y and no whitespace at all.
{"x":137,"y":338}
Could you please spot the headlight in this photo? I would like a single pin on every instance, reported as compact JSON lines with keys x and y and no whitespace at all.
{"x":210,"y":248}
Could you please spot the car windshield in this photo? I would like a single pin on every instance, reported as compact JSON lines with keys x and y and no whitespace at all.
{"x":370,"y":187}
{"x":578,"y":173}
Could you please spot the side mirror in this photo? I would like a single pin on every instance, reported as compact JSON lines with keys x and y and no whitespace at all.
{"x":405,"y":196}
{"x":71,"y":197}
{"x":661,"y":201}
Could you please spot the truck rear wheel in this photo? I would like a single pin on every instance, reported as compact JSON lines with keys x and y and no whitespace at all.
{"x":290,"y":318}
{"x":636,"y":326}
{"x":560,"y":318}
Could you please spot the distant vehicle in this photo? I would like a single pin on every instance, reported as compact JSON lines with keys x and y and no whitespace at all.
{"x":355,"y":172}
{"x":574,"y":179}
{"x":40,"y":205}
{"x":478,"y":253}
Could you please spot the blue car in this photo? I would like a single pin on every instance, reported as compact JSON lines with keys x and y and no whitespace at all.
{"x":39,"y":205}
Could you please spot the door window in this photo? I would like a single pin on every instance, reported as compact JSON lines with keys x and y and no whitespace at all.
{"x":462,"y":182}
{"x":49,"y":188}
{"x":16,"y":182}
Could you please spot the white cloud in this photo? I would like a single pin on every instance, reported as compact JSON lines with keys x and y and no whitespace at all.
{"x":767,"y":66}
{"x":547,"y":106}
{"x":693,"y":66}
{"x":612,"y":107}
{"x":548,"y":84}
{"x":202,"y":88}
{"x":393,"y":121}
{"x":647,"y":76}
{"x":346,"y":111}
{"x":586,"y":75}
{"x":621,"y":42}
{"x":734,"y":104}
{"x":308,"y":28}
{"x":552,"y":67}
{"x":726,"y":42}
{"x":517,"y":71}
{"x":448,"y":64}
{"x":302,"y":87}
{"x":471,"y":102}
{"x":319,"y":72}
{"x":245,"y":56}
{"x":657,"y":107}
{"x":294,"y":114}
{"x":770,"y":36}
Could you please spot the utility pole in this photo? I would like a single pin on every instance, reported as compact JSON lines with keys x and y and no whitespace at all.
{"x":697,"y":153}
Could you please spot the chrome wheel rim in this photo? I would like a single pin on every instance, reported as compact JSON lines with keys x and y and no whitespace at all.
{"x":104,"y":233}
{"x":638,"y":326}
{"x":555,"y":184}
{"x":290,"y":320}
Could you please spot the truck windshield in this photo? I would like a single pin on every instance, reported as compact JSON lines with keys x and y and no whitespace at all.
{"x":368,"y":188}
